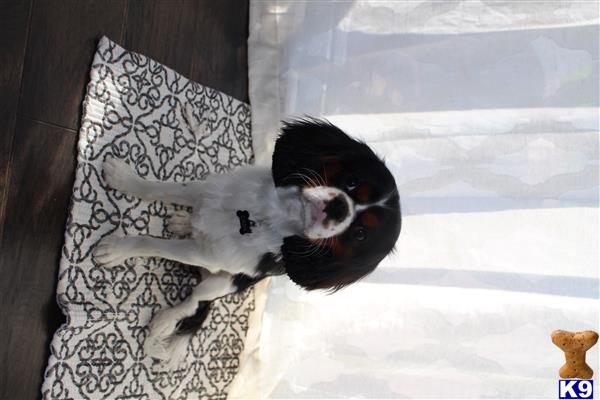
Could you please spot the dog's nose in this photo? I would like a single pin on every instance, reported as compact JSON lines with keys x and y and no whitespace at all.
{"x":336,"y":208}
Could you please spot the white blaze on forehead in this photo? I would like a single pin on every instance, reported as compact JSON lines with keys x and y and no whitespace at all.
{"x":381,"y":203}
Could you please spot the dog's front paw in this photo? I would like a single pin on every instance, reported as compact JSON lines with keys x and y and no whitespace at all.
{"x":171,"y":353}
{"x":119,"y":175}
{"x":163,"y":343}
{"x":157,"y":347}
{"x":112,"y":250}
{"x":163,"y":325}
{"x":180,"y":223}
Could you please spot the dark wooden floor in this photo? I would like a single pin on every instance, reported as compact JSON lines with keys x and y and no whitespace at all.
{"x":46,"y":49}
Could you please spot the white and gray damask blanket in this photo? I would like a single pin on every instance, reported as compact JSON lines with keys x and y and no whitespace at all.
{"x":133,"y":111}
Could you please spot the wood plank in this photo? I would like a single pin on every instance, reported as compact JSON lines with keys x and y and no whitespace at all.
{"x":14,"y":22}
{"x":62,"y":41}
{"x":163,"y":30}
{"x":220,"y":53}
{"x":40,"y":187}
{"x":60,"y":47}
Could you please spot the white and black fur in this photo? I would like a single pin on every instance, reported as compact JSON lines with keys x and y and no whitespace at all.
{"x":325,"y":214}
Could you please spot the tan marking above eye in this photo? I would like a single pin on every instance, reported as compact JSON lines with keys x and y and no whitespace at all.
{"x":342,"y":251}
{"x":363,"y":193}
{"x":348,"y":251}
{"x":369,"y":220}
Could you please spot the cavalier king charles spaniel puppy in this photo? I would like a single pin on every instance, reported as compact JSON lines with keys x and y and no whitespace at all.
{"x":325,"y":214}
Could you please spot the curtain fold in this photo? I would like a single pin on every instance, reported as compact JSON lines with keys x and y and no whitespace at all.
{"x":486,"y":112}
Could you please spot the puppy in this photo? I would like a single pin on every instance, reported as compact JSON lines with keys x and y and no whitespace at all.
{"x":325,"y":214}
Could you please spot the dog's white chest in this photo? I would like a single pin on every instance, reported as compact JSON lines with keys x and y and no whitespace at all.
{"x":242,"y":225}
{"x":232,"y":216}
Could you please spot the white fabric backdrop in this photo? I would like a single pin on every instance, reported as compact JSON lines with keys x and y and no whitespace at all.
{"x":487,"y":115}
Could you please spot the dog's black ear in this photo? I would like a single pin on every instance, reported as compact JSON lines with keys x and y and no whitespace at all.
{"x":306,"y":144}
{"x":314,"y":267}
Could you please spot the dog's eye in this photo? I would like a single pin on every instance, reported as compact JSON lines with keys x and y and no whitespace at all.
{"x":351,"y":183}
{"x":360,"y":233}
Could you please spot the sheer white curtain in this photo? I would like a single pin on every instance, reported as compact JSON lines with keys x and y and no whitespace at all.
{"x":487,"y":114}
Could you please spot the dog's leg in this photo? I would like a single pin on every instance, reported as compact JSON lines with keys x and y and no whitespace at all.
{"x":113,"y":250}
{"x":119,"y":175}
{"x":162,"y":342}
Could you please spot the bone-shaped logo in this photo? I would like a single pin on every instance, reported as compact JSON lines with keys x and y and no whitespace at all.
{"x":575,"y":344}
{"x":245,"y":222}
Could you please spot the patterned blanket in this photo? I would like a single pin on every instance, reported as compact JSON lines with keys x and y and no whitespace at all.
{"x":133,"y":111}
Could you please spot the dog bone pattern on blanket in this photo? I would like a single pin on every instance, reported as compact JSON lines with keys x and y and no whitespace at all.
{"x":133,"y":111}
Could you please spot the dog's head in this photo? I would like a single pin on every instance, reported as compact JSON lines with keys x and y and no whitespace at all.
{"x":350,"y":203}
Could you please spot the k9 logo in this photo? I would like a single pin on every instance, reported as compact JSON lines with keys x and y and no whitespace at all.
{"x":575,"y":389}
